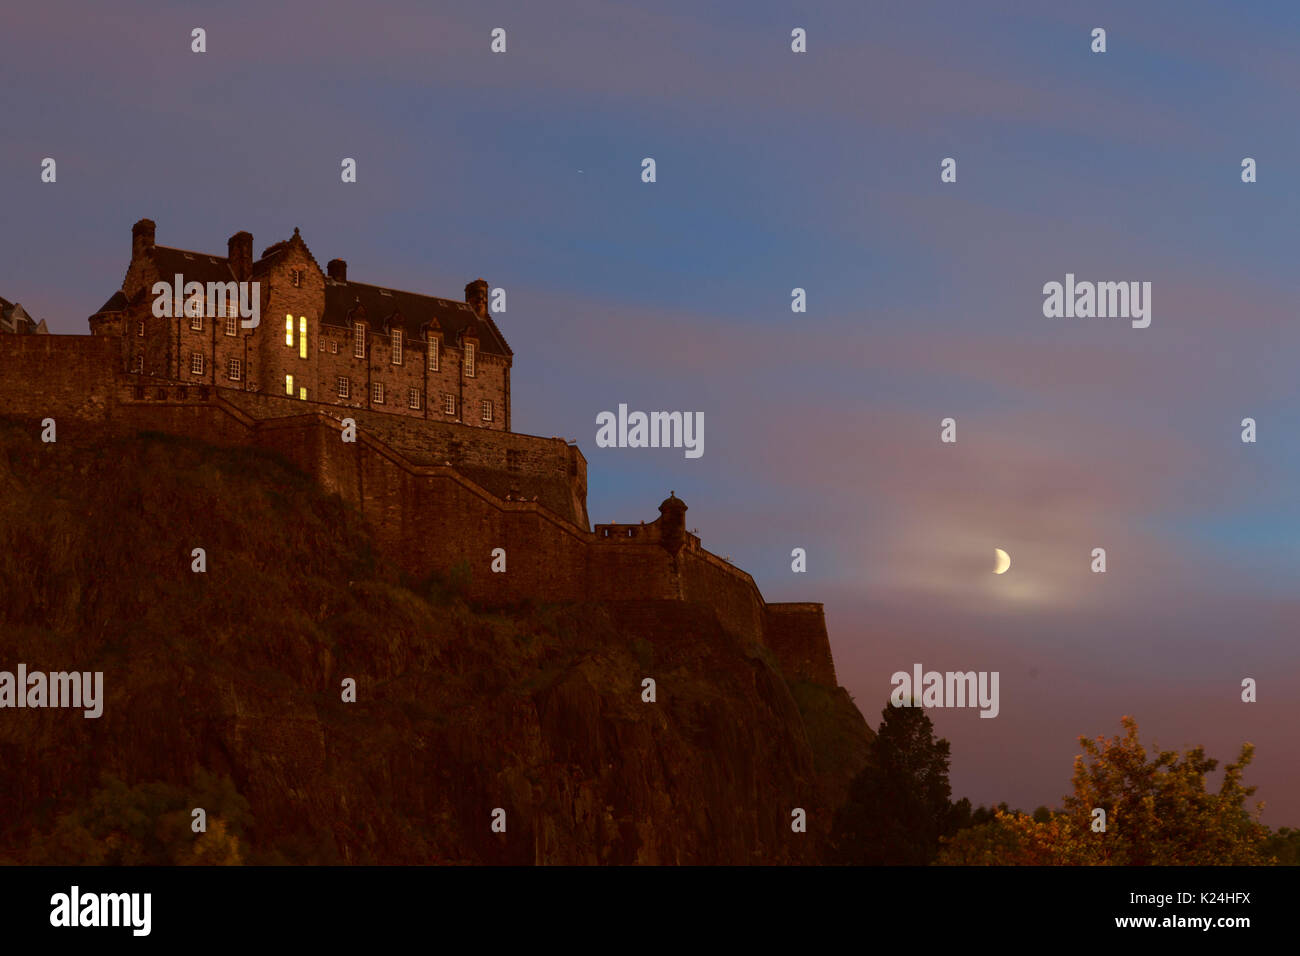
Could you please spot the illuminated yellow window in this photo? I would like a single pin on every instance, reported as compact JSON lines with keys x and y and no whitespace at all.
{"x":302,"y":394}
{"x":288,"y":385}
{"x":302,"y":336}
{"x":288,"y":330}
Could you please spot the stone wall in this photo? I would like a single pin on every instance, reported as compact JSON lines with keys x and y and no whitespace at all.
{"x":431,"y":492}
{"x":796,"y":633}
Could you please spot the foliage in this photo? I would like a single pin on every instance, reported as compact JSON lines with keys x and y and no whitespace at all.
{"x":148,"y":824}
{"x":1158,"y":813}
{"x":898,"y":805}
{"x":1283,"y":846}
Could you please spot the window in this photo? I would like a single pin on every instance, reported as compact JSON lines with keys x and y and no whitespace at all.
{"x":232,"y":323}
{"x":138,"y":367}
{"x":377,"y":393}
{"x":196,"y":363}
{"x":196,"y":323}
{"x":359,"y":339}
{"x":334,"y":347}
{"x":139,"y":328}
{"x":234,"y":370}
{"x":322,"y":345}
{"x":512,"y":461}
{"x":295,"y":278}
{"x":469,"y":359}
{"x":288,"y":385}
{"x":302,"y":336}
{"x":345,"y":387}
{"x":302,"y":393}
{"x":288,"y":330}
{"x":449,"y":404}
{"x":413,"y":398}
{"x":397,"y":346}
{"x":487,"y":410}
{"x":433,"y":355}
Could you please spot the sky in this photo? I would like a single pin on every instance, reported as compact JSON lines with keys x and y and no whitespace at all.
{"x":778,"y":170}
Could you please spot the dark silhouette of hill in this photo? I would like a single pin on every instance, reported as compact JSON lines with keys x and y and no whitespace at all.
{"x":223,"y":690}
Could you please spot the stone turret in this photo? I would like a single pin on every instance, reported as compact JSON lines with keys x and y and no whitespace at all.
{"x":672,"y":524}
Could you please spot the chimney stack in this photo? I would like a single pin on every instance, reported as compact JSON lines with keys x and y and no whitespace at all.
{"x":239,"y":248}
{"x":476,"y":294}
{"x":337,"y":269}
{"x":142,"y":235}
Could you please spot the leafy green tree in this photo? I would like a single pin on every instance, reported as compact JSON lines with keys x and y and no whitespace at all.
{"x":898,"y":805}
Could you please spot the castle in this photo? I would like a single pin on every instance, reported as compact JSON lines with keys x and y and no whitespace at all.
{"x":432,"y":466}
{"x":15,"y":320}
{"x":341,"y":342}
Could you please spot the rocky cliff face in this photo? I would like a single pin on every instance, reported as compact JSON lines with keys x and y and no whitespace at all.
{"x":223,"y":690}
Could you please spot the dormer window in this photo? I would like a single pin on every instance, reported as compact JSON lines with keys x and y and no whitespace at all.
{"x":433,"y":355}
{"x":397,"y":346}
{"x":359,"y":339}
{"x":469,"y":359}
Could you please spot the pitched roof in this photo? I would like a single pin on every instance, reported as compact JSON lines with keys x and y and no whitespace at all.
{"x":117,"y":303}
{"x":385,"y":308}
{"x":391,"y":308}
{"x":195,"y":266}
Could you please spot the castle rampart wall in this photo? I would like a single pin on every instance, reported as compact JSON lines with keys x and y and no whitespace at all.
{"x":796,"y":634}
{"x":425,"y":515}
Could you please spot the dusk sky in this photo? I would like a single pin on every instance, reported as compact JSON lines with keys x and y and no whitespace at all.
{"x":778,"y":170}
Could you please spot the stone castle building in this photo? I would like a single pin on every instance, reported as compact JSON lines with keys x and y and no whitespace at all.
{"x":432,"y":465}
{"x":320,"y":337}
{"x":15,"y":320}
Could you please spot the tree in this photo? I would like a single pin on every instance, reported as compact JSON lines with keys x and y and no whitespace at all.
{"x":898,"y":805}
{"x":147,"y":824}
{"x":1283,"y":845}
{"x":1157,"y":813}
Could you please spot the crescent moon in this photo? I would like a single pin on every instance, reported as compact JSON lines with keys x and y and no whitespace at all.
{"x":1003,"y":559}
